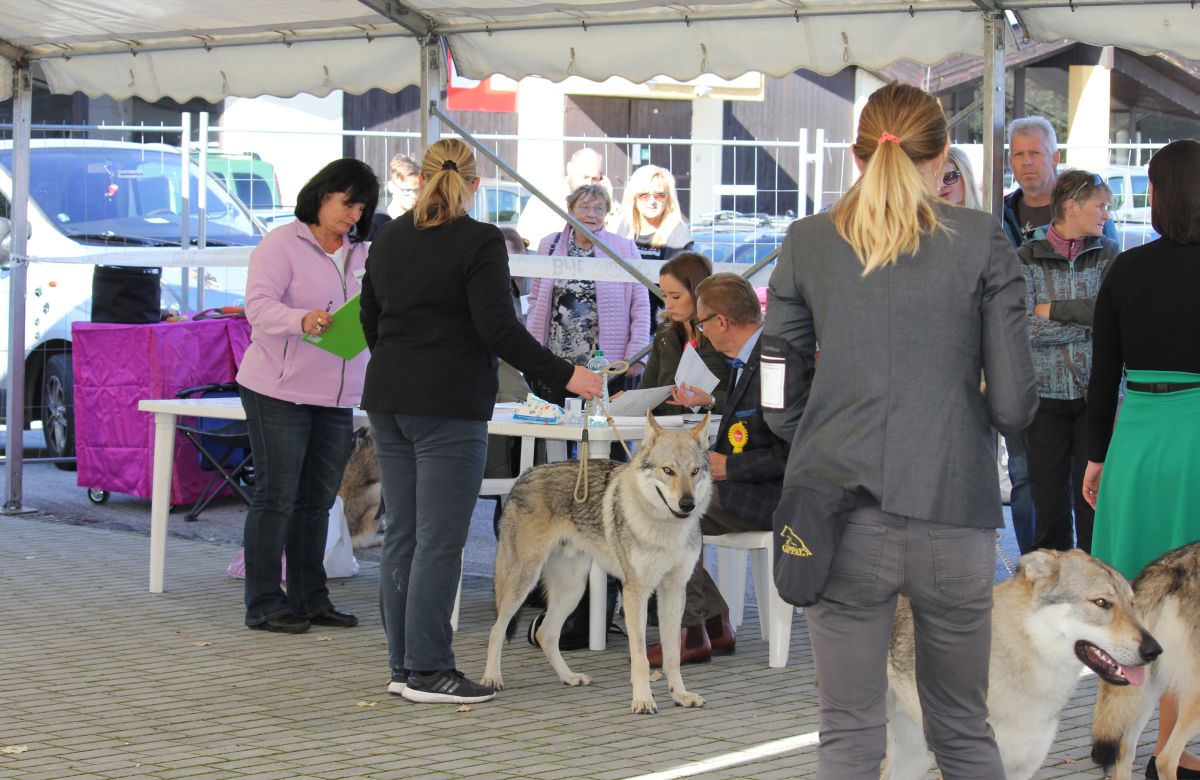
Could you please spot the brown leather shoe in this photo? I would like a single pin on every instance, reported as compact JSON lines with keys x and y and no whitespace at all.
{"x":700,"y":653}
{"x":720,"y":633}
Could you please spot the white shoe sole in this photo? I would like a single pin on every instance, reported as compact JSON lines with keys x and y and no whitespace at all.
{"x":430,"y":697}
{"x":397,"y":688}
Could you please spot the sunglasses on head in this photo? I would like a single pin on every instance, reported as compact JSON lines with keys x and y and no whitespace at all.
{"x":1095,"y":180}
{"x":950,"y":177}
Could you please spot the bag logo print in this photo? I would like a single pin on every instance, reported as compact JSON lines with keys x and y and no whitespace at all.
{"x":793,"y":544}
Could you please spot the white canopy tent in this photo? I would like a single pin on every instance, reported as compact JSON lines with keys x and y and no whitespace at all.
{"x":245,"y":48}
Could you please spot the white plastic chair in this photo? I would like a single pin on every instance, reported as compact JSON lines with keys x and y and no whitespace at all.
{"x":774,"y":614}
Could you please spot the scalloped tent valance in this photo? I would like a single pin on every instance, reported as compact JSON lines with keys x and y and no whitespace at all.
{"x":168,"y":48}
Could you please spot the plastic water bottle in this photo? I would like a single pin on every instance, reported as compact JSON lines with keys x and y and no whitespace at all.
{"x":596,"y":417}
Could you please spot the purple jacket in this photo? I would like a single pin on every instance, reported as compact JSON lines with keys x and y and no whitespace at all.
{"x":290,"y":275}
{"x":623,"y":308}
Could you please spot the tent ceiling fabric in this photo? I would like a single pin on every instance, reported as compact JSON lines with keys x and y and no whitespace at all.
{"x":225,"y":48}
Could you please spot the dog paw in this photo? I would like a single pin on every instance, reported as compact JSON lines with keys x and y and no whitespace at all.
{"x":496,"y":682}
{"x":687,"y":699}
{"x":575,"y":678}
{"x":644,"y":706}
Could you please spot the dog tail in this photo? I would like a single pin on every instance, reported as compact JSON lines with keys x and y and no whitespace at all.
{"x":511,"y":630}
{"x":1116,"y":712}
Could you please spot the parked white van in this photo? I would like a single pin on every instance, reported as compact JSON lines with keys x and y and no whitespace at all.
{"x":88,"y":197}
{"x":1130,"y":185}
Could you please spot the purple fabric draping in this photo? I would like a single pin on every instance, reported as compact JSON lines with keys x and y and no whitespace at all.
{"x":115,"y":366}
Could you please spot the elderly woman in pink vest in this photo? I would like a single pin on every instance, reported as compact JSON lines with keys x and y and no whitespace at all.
{"x":574,"y":317}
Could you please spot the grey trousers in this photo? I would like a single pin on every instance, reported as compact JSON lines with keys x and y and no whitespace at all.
{"x":947,"y":573}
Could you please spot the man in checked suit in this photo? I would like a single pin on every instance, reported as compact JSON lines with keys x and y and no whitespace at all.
{"x":747,"y":461}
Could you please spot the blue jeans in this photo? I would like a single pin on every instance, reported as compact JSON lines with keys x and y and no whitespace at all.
{"x":300,"y":452}
{"x":1021,"y":498}
{"x":431,"y":469}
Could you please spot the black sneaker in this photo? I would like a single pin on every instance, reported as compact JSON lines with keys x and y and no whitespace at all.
{"x":399,"y":682}
{"x":445,"y":686}
{"x":286,"y":623}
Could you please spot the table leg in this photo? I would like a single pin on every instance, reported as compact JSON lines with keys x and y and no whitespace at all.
{"x":160,"y":495}
{"x":597,"y":608}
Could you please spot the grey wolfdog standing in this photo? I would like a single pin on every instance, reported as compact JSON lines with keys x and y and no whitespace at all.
{"x":1167,"y":597}
{"x":640,"y":521}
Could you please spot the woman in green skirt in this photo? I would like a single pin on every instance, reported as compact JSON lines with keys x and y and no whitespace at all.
{"x":1146,"y":320}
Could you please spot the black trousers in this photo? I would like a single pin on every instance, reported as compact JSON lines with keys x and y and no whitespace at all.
{"x":1057,"y":440}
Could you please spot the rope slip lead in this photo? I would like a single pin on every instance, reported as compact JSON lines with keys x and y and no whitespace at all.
{"x":581,"y":480}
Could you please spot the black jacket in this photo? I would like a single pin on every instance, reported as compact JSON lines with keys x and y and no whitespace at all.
{"x":437,"y":310}
{"x":754,"y":480}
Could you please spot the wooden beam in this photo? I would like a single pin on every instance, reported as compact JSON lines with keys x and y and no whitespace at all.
{"x":1172,"y":90}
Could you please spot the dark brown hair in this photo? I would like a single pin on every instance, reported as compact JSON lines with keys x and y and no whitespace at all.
{"x":1175,"y":200}
{"x":689,"y":269}
{"x":731,"y":295}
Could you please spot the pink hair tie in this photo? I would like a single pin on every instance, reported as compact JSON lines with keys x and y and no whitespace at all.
{"x":888,"y":137}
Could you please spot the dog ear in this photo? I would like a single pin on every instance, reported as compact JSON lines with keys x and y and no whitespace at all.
{"x":1039,"y":565}
{"x":652,"y":426}
{"x":700,"y":432}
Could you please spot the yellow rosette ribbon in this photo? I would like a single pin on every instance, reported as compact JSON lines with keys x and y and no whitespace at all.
{"x":739,"y":437}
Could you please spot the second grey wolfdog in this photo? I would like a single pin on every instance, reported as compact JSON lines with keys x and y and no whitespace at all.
{"x":1167,"y":597}
{"x":640,"y":522}
{"x":1059,"y":613}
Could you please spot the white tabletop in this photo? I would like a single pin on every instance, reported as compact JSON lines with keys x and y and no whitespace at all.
{"x":225,"y":408}
{"x":502,"y":424}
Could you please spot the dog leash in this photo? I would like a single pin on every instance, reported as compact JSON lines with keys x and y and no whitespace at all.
{"x":581,"y":480}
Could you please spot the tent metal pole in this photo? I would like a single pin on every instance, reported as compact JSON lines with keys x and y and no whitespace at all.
{"x":432,"y":79}
{"x":18,"y":269}
{"x":488,"y":153}
{"x":994,"y":24}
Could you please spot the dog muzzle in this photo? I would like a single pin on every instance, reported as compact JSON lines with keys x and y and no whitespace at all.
{"x":672,"y":510}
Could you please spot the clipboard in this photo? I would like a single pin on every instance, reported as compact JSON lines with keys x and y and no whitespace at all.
{"x":345,"y":336}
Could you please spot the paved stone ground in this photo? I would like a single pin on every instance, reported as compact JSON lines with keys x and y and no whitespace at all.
{"x":100,"y":679}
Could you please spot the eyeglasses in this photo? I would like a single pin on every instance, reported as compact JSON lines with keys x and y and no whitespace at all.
{"x":1095,"y":181}
{"x":700,"y":323}
{"x":596,"y":208}
{"x":658,"y":196}
{"x":950,"y":177}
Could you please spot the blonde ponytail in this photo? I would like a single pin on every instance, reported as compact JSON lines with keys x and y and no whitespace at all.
{"x":449,"y":168}
{"x":891,"y":206}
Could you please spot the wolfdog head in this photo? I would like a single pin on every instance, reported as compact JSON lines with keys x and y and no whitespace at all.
{"x":671,"y":468}
{"x":1084,"y":602}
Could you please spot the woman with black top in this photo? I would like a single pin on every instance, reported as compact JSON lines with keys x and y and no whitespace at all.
{"x":436,"y":312}
{"x":1146,"y":321}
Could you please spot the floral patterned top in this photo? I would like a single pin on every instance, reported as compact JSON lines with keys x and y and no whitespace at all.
{"x":574,"y":320}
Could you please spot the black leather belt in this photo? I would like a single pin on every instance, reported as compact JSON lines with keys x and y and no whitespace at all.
{"x":1161,"y":387}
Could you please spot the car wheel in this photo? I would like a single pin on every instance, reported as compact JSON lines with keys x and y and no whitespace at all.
{"x":58,"y":409}
{"x":98,"y":496}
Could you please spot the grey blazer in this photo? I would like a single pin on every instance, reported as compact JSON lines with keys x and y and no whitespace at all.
{"x":893,"y":408}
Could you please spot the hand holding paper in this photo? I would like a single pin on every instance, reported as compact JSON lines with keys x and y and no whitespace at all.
{"x":692,"y":371}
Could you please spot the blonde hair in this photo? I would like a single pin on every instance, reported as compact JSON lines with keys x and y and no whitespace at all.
{"x":449,"y":168}
{"x":958,"y":158}
{"x":642,"y":180}
{"x":888,"y":209}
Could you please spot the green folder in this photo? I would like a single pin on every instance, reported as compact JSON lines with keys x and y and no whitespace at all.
{"x":345,"y":336}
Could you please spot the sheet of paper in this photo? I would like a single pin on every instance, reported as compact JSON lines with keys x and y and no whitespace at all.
{"x":635,"y":403}
{"x":692,"y":371}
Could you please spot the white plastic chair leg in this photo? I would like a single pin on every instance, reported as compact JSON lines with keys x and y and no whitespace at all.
{"x":762,"y":589}
{"x":779,"y":618}
{"x":731,"y":580}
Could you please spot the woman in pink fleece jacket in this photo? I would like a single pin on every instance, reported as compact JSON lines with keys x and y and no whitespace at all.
{"x":300,"y":399}
{"x":573,"y":317}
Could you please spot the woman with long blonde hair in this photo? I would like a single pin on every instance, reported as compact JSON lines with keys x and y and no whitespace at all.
{"x":911,"y":297}
{"x":437,"y":312}
{"x":652,"y":217}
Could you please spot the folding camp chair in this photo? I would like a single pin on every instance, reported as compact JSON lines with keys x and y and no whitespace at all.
{"x":223,"y":446}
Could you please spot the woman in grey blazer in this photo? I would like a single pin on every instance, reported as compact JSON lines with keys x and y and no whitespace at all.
{"x":910,"y":299}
